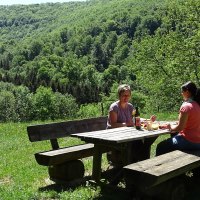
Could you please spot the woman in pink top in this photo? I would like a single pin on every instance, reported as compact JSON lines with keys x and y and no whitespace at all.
{"x":188,"y":126}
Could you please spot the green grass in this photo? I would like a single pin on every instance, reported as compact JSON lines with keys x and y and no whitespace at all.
{"x":22,"y":178}
{"x":171,"y":116}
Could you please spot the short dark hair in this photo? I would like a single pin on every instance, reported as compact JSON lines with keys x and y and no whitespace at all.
{"x":122,"y":88}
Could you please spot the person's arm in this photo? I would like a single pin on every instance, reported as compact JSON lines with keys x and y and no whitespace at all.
{"x":113,"y":120}
{"x":183,"y":117}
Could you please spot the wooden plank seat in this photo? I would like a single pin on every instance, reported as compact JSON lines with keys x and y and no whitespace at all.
{"x":152,"y":174}
{"x":56,"y":157}
{"x":63,"y":162}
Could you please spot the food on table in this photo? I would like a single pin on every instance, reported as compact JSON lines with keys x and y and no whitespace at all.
{"x":155,"y":126}
{"x":163,"y":126}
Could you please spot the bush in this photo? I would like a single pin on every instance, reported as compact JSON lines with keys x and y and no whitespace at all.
{"x":50,"y":105}
{"x":43,"y":103}
{"x":7,"y":106}
{"x":23,"y":103}
{"x":66,"y":106}
{"x":90,"y":110}
{"x":18,"y":104}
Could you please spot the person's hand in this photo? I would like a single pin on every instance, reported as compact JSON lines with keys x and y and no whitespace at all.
{"x":153,"y":118}
{"x":163,"y":126}
{"x":130,"y":123}
{"x":169,"y":127}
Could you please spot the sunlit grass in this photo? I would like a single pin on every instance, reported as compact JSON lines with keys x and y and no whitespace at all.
{"x":163,"y":116}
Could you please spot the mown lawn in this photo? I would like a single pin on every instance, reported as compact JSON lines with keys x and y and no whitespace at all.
{"x":22,"y":178}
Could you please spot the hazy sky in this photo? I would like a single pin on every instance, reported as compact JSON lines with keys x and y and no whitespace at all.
{"x":11,"y":2}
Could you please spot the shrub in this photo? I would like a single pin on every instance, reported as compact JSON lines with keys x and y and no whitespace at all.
{"x":90,"y":110}
{"x":7,"y":106}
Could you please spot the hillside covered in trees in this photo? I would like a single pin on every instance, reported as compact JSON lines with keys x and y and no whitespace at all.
{"x":83,"y":50}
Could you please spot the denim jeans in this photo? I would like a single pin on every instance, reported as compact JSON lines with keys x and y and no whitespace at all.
{"x":178,"y":142}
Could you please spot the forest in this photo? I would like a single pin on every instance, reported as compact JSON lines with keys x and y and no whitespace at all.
{"x":65,"y":60}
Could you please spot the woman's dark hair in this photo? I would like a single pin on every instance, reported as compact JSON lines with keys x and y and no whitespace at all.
{"x":192,"y":88}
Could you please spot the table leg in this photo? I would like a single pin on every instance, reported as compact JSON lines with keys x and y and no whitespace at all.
{"x":96,"y":170}
{"x":129,"y":154}
{"x":139,"y":150}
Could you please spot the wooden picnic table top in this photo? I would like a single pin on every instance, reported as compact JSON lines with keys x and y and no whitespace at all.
{"x":118,"y":135}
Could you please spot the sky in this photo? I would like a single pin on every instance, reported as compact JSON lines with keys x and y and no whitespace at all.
{"x":11,"y":2}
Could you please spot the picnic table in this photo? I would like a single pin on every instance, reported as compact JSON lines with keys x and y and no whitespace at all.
{"x":112,"y":138}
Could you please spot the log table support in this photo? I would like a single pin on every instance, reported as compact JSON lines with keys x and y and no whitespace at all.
{"x":96,"y":170}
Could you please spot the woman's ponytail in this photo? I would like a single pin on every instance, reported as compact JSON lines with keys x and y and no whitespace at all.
{"x":197,"y":96}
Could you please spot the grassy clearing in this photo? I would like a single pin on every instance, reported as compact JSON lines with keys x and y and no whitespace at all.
{"x":22,"y":178}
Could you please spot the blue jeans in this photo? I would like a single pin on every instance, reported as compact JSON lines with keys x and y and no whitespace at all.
{"x":178,"y":142}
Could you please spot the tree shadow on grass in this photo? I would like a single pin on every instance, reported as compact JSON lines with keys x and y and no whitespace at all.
{"x":111,"y":192}
{"x":107,"y":192}
{"x":55,"y":187}
{"x":60,"y":186}
{"x":193,"y":192}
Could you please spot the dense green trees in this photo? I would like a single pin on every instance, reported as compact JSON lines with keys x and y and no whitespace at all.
{"x":17,"y":103}
{"x":170,"y":57}
{"x":85,"y":49}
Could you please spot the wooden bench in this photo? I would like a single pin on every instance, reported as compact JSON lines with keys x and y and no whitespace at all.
{"x":163,"y":175}
{"x":64,"y":163}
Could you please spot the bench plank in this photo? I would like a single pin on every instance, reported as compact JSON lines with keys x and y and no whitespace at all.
{"x":56,"y":130}
{"x":55,"y":157}
{"x":159,"y":169}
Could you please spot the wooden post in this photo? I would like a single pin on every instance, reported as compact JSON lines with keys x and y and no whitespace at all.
{"x":96,"y":170}
{"x":102,"y":110}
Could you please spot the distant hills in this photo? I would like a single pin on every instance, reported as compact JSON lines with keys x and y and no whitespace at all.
{"x":84,"y":48}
